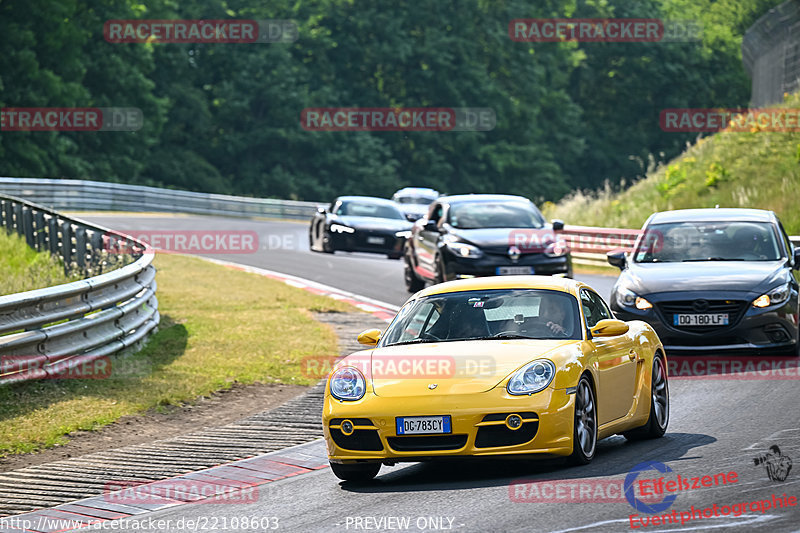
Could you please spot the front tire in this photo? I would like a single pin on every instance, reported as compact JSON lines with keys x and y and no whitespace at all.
{"x":327,"y":242}
{"x":584,"y":433}
{"x":441,"y":270}
{"x":413,"y":283}
{"x":356,"y":471}
{"x":658,"y":419}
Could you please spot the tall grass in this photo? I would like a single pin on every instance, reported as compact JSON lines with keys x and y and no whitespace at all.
{"x":24,"y":269}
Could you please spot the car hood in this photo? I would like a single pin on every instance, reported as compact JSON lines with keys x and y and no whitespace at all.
{"x":372,"y":223}
{"x":744,"y":276}
{"x":458,"y":367}
{"x":503,"y":237}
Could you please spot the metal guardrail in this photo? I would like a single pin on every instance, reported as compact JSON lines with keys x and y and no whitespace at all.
{"x":89,"y":195}
{"x":589,"y":244}
{"x":52,"y":331}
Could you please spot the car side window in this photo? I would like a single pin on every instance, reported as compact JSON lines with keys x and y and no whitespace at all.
{"x":594,"y":308}
{"x":436,"y":212}
{"x":786,"y":242}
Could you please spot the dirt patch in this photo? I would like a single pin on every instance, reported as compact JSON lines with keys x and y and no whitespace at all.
{"x":219,"y":409}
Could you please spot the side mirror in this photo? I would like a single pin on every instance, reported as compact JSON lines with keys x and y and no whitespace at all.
{"x":369,"y":337}
{"x":796,"y":259}
{"x":431,"y":225}
{"x":558,"y":225}
{"x":321,"y":209}
{"x":609,"y":327}
{"x":413,"y":217}
{"x":616,"y":258}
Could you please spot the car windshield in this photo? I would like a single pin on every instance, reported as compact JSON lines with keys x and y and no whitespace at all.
{"x":490,"y":314}
{"x":708,"y":241}
{"x":494,"y":215}
{"x":414,"y":200}
{"x":366,"y":209}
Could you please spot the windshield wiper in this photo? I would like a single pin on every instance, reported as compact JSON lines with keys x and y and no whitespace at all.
{"x":504,"y":336}
{"x":713,"y":259}
{"x":413,"y":341}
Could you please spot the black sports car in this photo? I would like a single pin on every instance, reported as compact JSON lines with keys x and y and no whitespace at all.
{"x":483,"y":235}
{"x":712,"y":279}
{"x":359,"y":224}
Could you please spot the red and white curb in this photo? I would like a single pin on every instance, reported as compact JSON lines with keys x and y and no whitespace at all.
{"x":384,"y":311}
{"x":223,"y":481}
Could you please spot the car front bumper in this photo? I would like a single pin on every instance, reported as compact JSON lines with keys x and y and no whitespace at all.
{"x":487,"y":265}
{"x":360,"y":242}
{"x":547,"y":421}
{"x":753,"y":329}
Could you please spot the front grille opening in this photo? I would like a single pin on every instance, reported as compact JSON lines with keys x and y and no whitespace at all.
{"x":734,"y":308}
{"x":427,"y":443}
{"x":495,"y":436}
{"x":364,"y":440}
{"x":355,"y":421}
{"x":497,"y":417}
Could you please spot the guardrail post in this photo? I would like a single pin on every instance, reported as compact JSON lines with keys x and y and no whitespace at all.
{"x":66,"y":245}
{"x":80,"y":248}
{"x":96,"y":245}
{"x":52,"y":235}
{"x":17,"y":219}
{"x":27,"y":226}
{"x":40,"y":231}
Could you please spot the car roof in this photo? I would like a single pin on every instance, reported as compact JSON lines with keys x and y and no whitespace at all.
{"x":372,"y":199}
{"x":422,"y":191}
{"x":712,"y":215}
{"x":458,"y":198}
{"x":505,"y":282}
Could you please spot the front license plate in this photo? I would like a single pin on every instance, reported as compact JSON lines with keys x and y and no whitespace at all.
{"x":422,"y":425}
{"x":375,"y":240}
{"x":706,"y":319}
{"x":510,"y":271}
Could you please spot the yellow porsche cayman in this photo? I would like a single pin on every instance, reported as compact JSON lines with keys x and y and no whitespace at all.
{"x":499,"y":366}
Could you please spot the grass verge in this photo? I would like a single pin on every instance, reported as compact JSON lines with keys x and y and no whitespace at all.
{"x":758,"y":169}
{"x":24,"y":269}
{"x":219,"y":326}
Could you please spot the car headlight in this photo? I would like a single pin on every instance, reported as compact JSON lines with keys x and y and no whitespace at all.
{"x":338,"y":228}
{"x":348,"y":384}
{"x":628,"y":298}
{"x":403,"y":234}
{"x":531,"y":378}
{"x":556,"y":249}
{"x":776,"y":296}
{"x":463,"y":249}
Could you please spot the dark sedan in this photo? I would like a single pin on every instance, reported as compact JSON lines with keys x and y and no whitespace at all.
{"x":712,"y":280}
{"x":483,"y":235}
{"x":359,"y":224}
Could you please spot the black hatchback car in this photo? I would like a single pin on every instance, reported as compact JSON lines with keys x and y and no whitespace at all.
{"x":359,"y":224}
{"x":483,"y":235}
{"x":712,"y":280}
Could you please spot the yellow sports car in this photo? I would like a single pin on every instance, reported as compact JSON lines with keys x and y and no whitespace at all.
{"x":500,"y":366}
